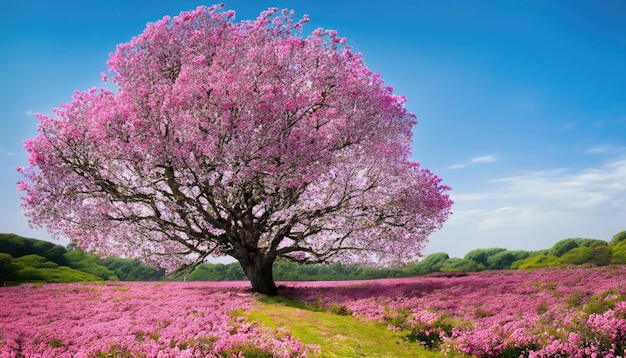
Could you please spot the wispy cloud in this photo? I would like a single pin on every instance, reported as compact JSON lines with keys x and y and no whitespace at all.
{"x":29,"y":112}
{"x":6,"y":153}
{"x":485,"y":159}
{"x":601,"y":188}
{"x":533,"y":210}
{"x":476,"y":160}
{"x":606,"y":149}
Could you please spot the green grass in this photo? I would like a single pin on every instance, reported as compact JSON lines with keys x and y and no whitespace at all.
{"x":337,"y":335}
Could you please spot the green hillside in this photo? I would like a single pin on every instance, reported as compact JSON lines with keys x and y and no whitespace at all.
{"x":35,"y":268}
{"x":30,"y":260}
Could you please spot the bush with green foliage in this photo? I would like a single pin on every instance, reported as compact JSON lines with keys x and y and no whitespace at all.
{"x":132,"y":270}
{"x":35,"y":261}
{"x":80,"y":260}
{"x":35,"y":268}
{"x":291,"y":271}
{"x":455,"y":264}
{"x":503,"y":260}
{"x":617,"y":238}
{"x":286,"y":271}
{"x":8,"y":269}
{"x":481,"y":256}
{"x":217,"y":272}
{"x":601,"y":255}
{"x":431,"y":263}
{"x":576,"y":256}
{"x":579,"y":251}
{"x":18,"y":246}
{"x":565,"y":245}
{"x":619,"y":253}
{"x":23,"y":260}
{"x":538,"y":261}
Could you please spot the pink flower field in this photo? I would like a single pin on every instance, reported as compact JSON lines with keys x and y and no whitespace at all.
{"x":135,"y":320}
{"x":555,"y":312}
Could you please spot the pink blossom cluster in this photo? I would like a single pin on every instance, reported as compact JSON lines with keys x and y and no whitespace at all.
{"x":136,"y":319}
{"x":573,"y":311}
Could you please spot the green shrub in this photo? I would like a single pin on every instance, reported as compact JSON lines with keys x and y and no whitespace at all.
{"x":481,"y":256}
{"x":563,"y":246}
{"x":18,"y":246}
{"x":598,"y":255}
{"x":603,"y":302}
{"x":432,"y":335}
{"x":8,"y":269}
{"x":86,"y":262}
{"x":601,"y":255}
{"x":538,"y":261}
{"x":31,"y":274}
{"x":618,"y":238}
{"x":464,"y":265}
{"x":34,"y":261}
{"x":577,"y":256}
{"x":132,"y":270}
{"x":431,"y":263}
{"x":66,"y":274}
{"x":619,"y":253}
{"x":504,"y":259}
{"x":34,"y":268}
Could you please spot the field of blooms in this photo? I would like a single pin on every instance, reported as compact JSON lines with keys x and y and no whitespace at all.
{"x":554,"y":312}
{"x":136,"y":320}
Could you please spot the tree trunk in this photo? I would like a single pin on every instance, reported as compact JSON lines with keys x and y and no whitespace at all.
{"x":258,"y":269}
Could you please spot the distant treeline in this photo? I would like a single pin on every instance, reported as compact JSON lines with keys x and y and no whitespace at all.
{"x":573,"y":251}
{"x":30,"y":260}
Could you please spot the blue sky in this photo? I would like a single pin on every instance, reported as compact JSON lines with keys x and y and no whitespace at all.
{"x":521,"y":104}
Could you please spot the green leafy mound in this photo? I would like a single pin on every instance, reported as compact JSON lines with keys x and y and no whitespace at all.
{"x":35,"y":268}
{"x":30,"y":260}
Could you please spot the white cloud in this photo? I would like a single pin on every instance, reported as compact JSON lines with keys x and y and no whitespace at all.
{"x":606,"y":149}
{"x":534,"y":210}
{"x":6,"y":153}
{"x":472,"y":197}
{"x":485,"y":159}
{"x":590,"y":188}
{"x":476,"y":160}
{"x":29,"y":112}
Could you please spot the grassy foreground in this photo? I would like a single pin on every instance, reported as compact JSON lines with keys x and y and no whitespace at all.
{"x":338,"y":335}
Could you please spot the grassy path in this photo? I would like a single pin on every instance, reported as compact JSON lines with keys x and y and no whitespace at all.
{"x":337,"y":335}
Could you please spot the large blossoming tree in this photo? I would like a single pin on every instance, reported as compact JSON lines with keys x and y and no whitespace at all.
{"x":235,"y":138}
